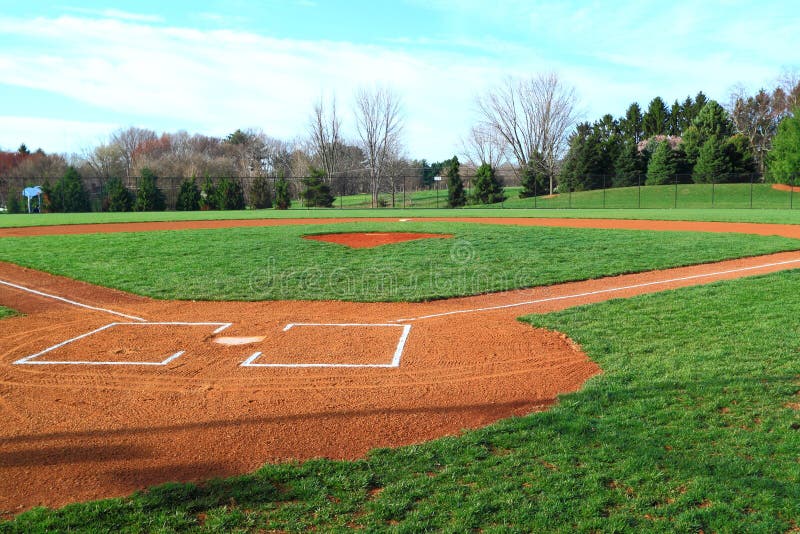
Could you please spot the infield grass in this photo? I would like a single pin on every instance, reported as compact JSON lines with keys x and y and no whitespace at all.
{"x":693,"y":425}
{"x":7,"y":312}
{"x":272,"y":263}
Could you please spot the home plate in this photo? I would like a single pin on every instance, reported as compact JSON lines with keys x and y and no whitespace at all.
{"x":232,"y":341}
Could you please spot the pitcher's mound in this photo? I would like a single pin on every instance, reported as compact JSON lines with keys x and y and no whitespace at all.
{"x":373,"y":239}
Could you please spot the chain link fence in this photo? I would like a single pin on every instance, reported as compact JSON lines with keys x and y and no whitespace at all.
{"x":588,"y":192}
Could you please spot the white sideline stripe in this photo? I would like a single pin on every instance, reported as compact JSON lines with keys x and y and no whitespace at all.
{"x":597,"y":292}
{"x":28,"y":359}
{"x":72,"y":302}
{"x":398,"y":353}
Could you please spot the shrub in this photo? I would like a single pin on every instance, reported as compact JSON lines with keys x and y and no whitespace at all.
{"x":149,"y":197}
{"x":208,"y":195}
{"x":487,"y":189}
{"x":188,"y":196}
{"x":230,"y":195}
{"x":783,"y":162}
{"x":260,"y":193}
{"x":316,"y":193}
{"x":13,"y":202}
{"x":117,"y":197}
{"x":455,"y":186}
{"x":283,"y":200}
{"x":69,"y":195}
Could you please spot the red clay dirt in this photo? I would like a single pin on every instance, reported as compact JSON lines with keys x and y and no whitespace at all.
{"x":373,"y":239}
{"x":786,"y":187}
{"x":74,"y":432}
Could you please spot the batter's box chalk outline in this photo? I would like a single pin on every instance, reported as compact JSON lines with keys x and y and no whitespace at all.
{"x":32,"y":359}
{"x":398,"y":353}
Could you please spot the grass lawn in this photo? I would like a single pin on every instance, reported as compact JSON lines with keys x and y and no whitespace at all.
{"x":275,"y":263}
{"x":693,"y":425}
{"x":6,"y":312}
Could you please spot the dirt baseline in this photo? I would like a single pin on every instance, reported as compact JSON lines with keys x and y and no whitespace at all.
{"x":153,"y":398}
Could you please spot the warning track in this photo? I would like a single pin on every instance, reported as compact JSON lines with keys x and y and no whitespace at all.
{"x":74,"y":432}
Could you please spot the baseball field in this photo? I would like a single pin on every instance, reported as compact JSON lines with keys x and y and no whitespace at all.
{"x":332,"y":370}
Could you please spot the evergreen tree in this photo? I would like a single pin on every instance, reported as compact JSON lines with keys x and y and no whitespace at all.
{"x":208,"y":195}
{"x":666,"y":165}
{"x":700,"y":102}
{"x":743,"y":161}
{"x":456,"y":197}
{"x":588,"y":159}
{"x":691,"y":143}
{"x":260,"y":193}
{"x":713,"y":163}
{"x":188,"y":196}
{"x":675,"y":119}
{"x":486,"y":188}
{"x":533,"y":180}
{"x":656,"y":119}
{"x":783,"y":161}
{"x":14,"y":202}
{"x":316,"y":194}
{"x":69,"y":195}
{"x":230,"y":195}
{"x":631,"y":126}
{"x":117,"y":197}
{"x":283,"y":200}
{"x":630,"y":166}
{"x":149,"y":197}
{"x":713,"y":119}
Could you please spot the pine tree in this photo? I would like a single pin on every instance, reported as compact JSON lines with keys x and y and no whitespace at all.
{"x":188,"y":196}
{"x":260,"y":194}
{"x":629,"y":166}
{"x":666,"y":165}
{"x":283,"y":200}
{"x":533,"y":180}
{"x":631,"y":126}
{"x":69,"y":195}
{"x":486,"y":188}
{"x":117,"y":197}
{"x":456,"y":197}
{"x":13,"y":202}
{"x":713,"y":119}
{"x":208,"y":195}
{"x":713,"y":163}
{"x":230,"y":195}
{"x":149,"y":197}
{"x":743,"y":161}
{"x":656,"y":119}
{"x":317,"y":194}
{"x":783,"y":163}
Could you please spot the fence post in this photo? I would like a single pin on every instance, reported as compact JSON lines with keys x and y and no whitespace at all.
{"x":791,"y":192}
{"x":639,"y":190}
{"x":604,"y":191}
{"x":712,"y":192}
{"x":534,"y":193}
{"x":676,"y":192}
{"x":569,"y":198}
{"x":751,"y":190}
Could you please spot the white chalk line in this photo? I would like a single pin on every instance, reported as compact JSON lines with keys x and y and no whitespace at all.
{"x":31,"y":360}
{"x":597,"y":292}
{"x":396,"y":357}
{"x":72,"y":302}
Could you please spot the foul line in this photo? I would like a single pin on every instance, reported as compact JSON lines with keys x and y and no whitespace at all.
{"x":72,"y":302}
{"x":597,"y":292}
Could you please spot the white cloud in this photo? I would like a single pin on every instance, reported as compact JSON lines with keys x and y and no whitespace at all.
{"x":115,"y":14}
{"x":36,"y":132}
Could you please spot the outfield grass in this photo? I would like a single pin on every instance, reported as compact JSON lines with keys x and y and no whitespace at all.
{"x":275,"y":263}
{"x":6,"y":312}
{"x":686,"y":196}
{"x":693,"y":425}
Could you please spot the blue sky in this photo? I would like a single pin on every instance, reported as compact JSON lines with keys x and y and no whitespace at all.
{"x":72,"y":72}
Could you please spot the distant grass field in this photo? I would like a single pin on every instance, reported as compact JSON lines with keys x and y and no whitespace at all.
{"x":6,"y":312}
{"x":275,"y":263}
{"x":692,"y":426}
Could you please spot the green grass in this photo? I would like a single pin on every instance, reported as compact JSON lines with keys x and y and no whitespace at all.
{"x":275,"y":263}
{"x":690,"y":427}
{"x":777,"y":216}
{"x":6,"y":312}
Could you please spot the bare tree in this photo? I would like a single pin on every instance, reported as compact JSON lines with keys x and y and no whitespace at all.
{"x":129,"y":142}
{"x":325,"y":140}
{"x":533,"y":116}
{"x":484,"y":146}
{"x":379,"y":125}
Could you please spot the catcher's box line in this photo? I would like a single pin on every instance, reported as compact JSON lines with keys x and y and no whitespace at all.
{"x":71,"y":302}
{"x":31,"y":360}
{"x":398,"y":353}
{"x":597,"y":292}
